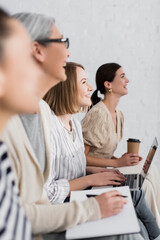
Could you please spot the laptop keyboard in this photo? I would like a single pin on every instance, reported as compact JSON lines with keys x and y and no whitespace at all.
{"x":131,"y":181}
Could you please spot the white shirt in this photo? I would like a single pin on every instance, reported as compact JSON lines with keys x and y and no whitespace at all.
{"x":68,"y":159}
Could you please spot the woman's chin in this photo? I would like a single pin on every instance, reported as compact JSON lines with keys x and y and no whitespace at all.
{"x":125,"y":92}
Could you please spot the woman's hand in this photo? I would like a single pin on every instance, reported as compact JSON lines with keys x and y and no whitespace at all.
{"x":106,"y":178}
{"x":110,"y":203}
{"x":128,"y":159}
{"x":92,"y":170}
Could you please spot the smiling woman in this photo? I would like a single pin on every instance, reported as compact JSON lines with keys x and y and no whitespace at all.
{"x":103,"y":125}
{"x":103,"y":129}
{"x":68,"y":162}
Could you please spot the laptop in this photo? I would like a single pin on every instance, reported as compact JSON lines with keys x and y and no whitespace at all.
{"x":135,"y":181}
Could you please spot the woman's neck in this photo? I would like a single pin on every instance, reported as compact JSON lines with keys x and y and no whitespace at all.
{"x":66,"y":120}
{"x":111,"y":102}
{"x":4,"y":117}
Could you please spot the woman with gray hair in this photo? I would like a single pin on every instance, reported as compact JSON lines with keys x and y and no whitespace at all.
{"x":19,"y":77}
{"x":28,"y":140}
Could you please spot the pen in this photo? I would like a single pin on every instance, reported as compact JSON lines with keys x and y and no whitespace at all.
{"x":94,"y":195}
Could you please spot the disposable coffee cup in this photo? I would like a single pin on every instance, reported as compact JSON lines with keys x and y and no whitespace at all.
{"x":133,"y":145}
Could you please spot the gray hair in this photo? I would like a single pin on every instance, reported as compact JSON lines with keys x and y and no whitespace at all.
{"x":39,"y":26}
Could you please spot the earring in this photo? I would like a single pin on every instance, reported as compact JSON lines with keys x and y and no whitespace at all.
{"x":110,"y":90}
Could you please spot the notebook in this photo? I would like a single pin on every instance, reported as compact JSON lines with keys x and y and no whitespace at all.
{"x":135,"y":181}
{"x":123,"y":223}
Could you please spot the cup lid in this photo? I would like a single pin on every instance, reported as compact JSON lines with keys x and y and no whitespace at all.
{"x":133,"y":140}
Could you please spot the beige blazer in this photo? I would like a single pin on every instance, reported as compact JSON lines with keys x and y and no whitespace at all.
{"x":99,"y":131}
{"x":44,"y":217}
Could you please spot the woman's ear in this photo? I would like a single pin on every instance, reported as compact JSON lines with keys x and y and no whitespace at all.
{"x":38,"y":52}
{"x":108,"y":85}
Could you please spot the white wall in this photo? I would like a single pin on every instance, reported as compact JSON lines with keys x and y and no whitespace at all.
{"x":122,"y":31}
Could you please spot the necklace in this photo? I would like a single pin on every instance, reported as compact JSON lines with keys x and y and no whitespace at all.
{"x":68,"y":127}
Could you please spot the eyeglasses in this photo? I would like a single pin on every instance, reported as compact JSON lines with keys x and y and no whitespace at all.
{"x":58,"y":40}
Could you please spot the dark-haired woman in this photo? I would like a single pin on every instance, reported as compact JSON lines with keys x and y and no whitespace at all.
{"x":103,"y":125}
{"x":103,"y":129}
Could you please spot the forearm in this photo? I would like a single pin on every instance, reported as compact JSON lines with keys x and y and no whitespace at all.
{"x":80,"y":183}
{"x":101,"y":162}
{"x":47,"y":218}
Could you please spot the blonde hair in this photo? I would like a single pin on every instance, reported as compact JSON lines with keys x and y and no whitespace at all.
{"x":63,"y":98}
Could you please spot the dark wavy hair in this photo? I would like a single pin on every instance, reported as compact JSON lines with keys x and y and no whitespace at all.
{"x":105,"y":72}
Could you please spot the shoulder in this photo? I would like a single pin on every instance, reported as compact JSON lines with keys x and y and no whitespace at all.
{"x":14,"y":127}
{"x":55,"y":124}
{"x":76,"y":121}
{"x":44,"y":106}
{"x":45,"y":113}
{"x":121,"y":116}
{"x":97,"y":114}
{"x":98,"y":108}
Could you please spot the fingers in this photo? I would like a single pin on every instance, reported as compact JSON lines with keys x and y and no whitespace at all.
{"x":134,"y":155}
{"x":118,"y":204}
{"x":116,"y":211}
{"x":112,"y":170}
{"x":134,"y":161}
{"x":117,"y":201}
{"x":107,"y":170}
{"x":114,"y":183}
{"x":113,"y":175}
{"x":110,"y":203}
{"x":118,"y":177}
{"x":107,"y":178}
{"x":113,"y":193}
{"x":134,"y":164}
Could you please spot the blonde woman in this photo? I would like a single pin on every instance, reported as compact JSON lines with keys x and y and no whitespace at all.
{"x":68,"y":165}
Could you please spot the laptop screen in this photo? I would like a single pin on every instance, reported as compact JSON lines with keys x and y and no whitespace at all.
{"x":150,"y":156}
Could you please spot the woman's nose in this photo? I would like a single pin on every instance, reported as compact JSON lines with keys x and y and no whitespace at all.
{"x":127,"y":80}
{"x":90,"y":88}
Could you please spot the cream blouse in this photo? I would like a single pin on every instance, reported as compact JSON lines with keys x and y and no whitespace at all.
{"x":99,"y":131}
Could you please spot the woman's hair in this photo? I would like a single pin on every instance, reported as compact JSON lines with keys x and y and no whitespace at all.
{"x":63,"y":98}
{"x":39,"y":26}
{"x":105,"y":72}
{"x":5,"y":30}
